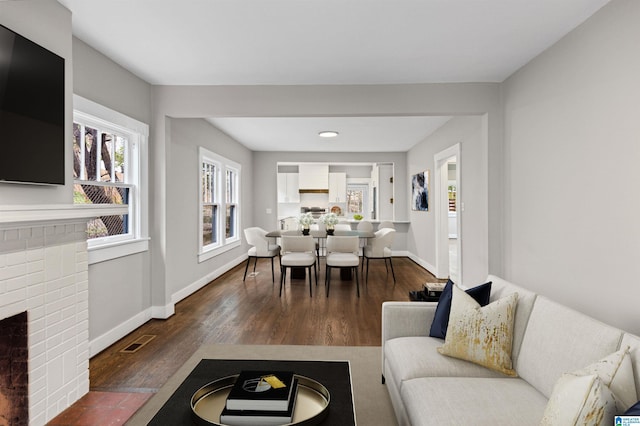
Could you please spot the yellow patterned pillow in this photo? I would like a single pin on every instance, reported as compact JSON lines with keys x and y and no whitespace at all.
{"x":579,"y":401}
{"x":482,"y":335}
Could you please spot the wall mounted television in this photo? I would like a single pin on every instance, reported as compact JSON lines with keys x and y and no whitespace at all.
{"x":32,"y":113}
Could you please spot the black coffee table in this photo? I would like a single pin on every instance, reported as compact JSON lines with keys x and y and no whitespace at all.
{"x":334,"y":375}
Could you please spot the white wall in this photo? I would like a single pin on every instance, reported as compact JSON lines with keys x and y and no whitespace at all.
{"x":184,"y":273}
{"x":120,"y":289}
{"x":470,"y":133}
{"x":572,"y":146}
{"x":48,"y":24}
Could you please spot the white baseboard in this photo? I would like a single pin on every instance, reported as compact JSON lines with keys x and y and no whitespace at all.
{"x":426,"y":265}
{"x":163,"y":312}
{"x":197,"y":285}
{"x":102,"y":342}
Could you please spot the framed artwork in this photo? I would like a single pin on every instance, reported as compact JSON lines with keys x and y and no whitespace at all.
{"x":420,"y":191}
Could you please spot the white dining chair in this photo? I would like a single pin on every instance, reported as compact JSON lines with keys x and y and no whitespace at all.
{"x":379,"y":247}
{"x":365,"y":225}
{"x":262,"y":247}
{"x":342,"y":252}
{"x":297,"y":252}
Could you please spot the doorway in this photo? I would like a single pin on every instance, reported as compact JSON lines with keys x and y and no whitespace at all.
{"x":448,"y":209}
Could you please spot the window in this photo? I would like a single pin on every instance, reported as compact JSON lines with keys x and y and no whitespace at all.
{"x":219,"y":189}
{"x":109,"y":150}
{"x":357,"y":199}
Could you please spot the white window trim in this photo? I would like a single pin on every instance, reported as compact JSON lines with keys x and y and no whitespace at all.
{"x":224,"y":244}
{"x":108,"y":119}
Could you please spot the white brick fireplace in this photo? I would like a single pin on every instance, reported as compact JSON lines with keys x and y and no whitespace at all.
{"x":44,"y":271}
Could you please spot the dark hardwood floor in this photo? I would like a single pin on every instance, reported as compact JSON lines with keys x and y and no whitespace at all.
{"x":231,"y":311}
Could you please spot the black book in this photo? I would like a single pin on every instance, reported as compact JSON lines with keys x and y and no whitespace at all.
{"x":260,"y":417}
{"x":261,"y":390}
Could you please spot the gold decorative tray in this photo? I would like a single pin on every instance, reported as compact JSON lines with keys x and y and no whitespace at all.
{"x":311,"y":405}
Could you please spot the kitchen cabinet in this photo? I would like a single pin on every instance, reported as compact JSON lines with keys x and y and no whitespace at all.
{"x":337,"y":187}
{"x":288,"y":189}
{"x":313,"y":177}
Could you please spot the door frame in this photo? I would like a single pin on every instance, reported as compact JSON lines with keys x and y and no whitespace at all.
{"x":441,"y":198}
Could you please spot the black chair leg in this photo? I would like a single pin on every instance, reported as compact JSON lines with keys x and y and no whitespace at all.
{"x":328,"y":279}
{"x":315,"y":270}
{"x":255,"y":264}
{"x":245,"y":268}
{"x":366,"y":280}
{"x":273,"y":275}
{"x":392,"y":272}
{"x":355,"y":270}
{"x":310,"y":284}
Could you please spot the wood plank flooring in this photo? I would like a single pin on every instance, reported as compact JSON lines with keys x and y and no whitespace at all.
{"x":229,"y":310}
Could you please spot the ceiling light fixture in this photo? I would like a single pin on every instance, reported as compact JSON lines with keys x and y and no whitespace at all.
{"x":328,"y":134}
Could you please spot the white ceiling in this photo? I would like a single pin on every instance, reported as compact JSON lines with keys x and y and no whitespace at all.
{"x":291,"y":42}
{"x":356,"y":134}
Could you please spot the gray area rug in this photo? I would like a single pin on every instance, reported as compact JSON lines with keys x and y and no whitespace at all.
{"x":372,"y":403}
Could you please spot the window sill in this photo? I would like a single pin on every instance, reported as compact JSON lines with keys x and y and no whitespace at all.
{"x":206,"y":255}
{"x":116,"y":250}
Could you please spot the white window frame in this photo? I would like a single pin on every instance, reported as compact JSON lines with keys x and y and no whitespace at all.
{"x":221,"y":165}
{"x":137,"y":239}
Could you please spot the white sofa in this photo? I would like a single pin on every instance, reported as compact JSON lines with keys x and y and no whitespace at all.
{"x":427,"y":388}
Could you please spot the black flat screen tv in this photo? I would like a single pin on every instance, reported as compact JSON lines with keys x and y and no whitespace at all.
{"x":32,"y":113}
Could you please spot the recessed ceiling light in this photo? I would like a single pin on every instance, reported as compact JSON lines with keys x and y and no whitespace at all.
{"x":328,"y":134}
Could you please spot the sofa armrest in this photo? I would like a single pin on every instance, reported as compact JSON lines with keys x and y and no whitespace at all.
{"x":404,"y":319}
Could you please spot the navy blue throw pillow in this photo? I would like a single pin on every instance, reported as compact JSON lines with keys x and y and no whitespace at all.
{"x":634,"y":410}
{"x":440,"y":322}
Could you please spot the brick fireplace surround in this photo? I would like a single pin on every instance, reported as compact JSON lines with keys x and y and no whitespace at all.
{"x":44,"y":272}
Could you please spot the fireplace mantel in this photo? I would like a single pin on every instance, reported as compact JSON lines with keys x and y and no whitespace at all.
{"x":13,"y":216}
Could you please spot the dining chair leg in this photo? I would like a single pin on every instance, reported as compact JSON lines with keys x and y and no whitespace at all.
{"x":310,"y":286}
{"x":245,"y":268}
{"x":392,"y":272}
{"x":273,"y":275}
{"x":366,"y":280}
{"x":355,"y":270}
{"x":328,"y":279}
{"x":315,"y":270}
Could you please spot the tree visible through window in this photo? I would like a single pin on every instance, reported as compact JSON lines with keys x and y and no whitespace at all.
{"x":100,"y":160}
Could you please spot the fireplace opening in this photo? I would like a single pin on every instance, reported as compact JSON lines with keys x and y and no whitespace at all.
{"x":14,"y":373}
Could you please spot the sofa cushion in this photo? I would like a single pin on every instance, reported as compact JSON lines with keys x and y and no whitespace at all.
{"x":472,"y":401}
{"x":616,"y":372}
{"x":409,"y":358}
{"x":440,"y":322}
{"x":560,"y":340}
{"x":633,"y":342}
{"x":580,"y":400}
{"x":501,"y":288}
{"x":482,"y":335}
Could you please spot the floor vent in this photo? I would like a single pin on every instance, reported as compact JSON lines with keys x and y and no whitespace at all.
{"x":137,"y":344}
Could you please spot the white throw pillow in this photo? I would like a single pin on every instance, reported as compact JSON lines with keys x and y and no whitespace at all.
{"x":482,"y":335}
{"x":579,"y":401}
{"x":616,"y":372}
